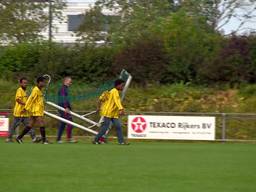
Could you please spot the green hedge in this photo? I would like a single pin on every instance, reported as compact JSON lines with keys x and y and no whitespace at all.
{"x":155,"y":59}
{"x":33,"y":59}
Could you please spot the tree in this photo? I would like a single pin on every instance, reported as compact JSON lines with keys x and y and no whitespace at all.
{"x":190,"y":43}
{"x":22,"y":21}
{"x":130,"y":20}
{"x":136,"y":17}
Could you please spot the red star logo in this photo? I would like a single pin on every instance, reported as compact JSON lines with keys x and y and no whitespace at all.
{"x":139,"y":124}
{"x":2,"y":123}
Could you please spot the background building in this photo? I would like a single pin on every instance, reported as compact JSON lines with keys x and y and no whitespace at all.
{"x":63,"y":30}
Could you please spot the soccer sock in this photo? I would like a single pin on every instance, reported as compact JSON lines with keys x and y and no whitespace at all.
{"x":24,"y":132}
{"x":42,"y":131}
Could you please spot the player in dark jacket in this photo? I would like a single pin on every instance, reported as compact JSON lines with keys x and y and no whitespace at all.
{"x":64,"y":101}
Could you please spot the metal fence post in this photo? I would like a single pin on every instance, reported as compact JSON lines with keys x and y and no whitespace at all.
{"x":223,"y":131}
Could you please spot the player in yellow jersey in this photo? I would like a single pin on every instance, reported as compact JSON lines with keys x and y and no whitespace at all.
{"x":20,"y":117}
{"x":101,"y":104}
{"x":111,"y":110}
{"x":35,"y":106}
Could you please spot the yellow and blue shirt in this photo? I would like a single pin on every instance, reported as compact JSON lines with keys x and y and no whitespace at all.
{"x":111,"y":104}
{"x":35,"y":103}
{"x":18,"y":110}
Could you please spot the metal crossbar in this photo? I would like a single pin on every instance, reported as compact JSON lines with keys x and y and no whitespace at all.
{"x":70,"y":122}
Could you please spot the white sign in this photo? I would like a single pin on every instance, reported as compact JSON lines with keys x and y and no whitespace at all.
{"x":171,"y":127}
{"x":4,"y":126}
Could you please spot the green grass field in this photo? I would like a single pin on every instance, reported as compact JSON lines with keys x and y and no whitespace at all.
{"x":142,"y":167}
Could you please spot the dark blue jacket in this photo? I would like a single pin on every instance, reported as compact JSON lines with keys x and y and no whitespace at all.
{"x":63,"y":97}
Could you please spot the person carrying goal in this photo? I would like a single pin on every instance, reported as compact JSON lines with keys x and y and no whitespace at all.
{"x":64,"y":101}
{"x":111,"y":110}
{"x":35,"y":106}
{"x":19,"y":115}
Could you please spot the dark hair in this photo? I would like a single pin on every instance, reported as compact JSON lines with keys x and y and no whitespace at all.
{"x":22,"y":79}
{"x":40,"y":79}
{"x":119,"y":82}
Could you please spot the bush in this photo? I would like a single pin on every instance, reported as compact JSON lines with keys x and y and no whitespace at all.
{"x":180,"y":54}
{"x":234,"y":64}
{"x":93,"y":64}
{"x":19,"y":59}
{"x":90,"y":64}
{"x":247,"y":90}
{"x":146,"y":60}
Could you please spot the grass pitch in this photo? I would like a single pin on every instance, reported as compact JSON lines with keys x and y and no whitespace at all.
{"x":140,"y":167}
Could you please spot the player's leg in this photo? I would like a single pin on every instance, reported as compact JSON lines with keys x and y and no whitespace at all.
{"x":15,"y":124}
{"x":61,"y":128}
{"x":104,"y":138}
{"x":41,"y":123}
{"x":26,"y":130}
{"x":60,"y":131}
{"x":25,"y":121}
{"x":103,"y":129}
{"x":118,"y":125}
{"x":69,"y":130}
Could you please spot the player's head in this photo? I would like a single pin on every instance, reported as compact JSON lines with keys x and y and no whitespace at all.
{"x":23,"y":82}
{"x":41,"y":81}
{"x":119,"y":84}
{"x":67,"y":81}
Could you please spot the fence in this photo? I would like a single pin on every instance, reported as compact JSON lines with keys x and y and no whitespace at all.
{"x":229,"y":126}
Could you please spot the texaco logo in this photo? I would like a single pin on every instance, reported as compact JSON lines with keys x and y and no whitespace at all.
{"x":139,"y":124}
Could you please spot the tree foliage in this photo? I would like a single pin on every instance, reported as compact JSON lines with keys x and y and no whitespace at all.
{"x":131,"y":20}
{"x":190,"y":43}
{"x":22,"y":21}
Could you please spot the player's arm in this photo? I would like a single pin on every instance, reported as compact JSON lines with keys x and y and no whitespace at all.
{"x":118,"y":103}
{"x":62,"y":99}
{"x":30,"y":100}
{"x":20,"y":101}
{"x":18,"y":98}
{"x":67,"y":104}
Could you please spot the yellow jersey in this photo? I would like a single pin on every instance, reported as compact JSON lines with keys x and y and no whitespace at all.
{"x":112,"y":105}
{"x":35,"y":103}
{"x":18,"y":110}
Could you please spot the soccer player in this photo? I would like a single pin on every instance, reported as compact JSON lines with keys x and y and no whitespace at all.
{"x":111,"y":110}
{"x":63,"y":101}
{"x":101,"y":104}
{"x":20,"y":116}
{"x":35,"y":106}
